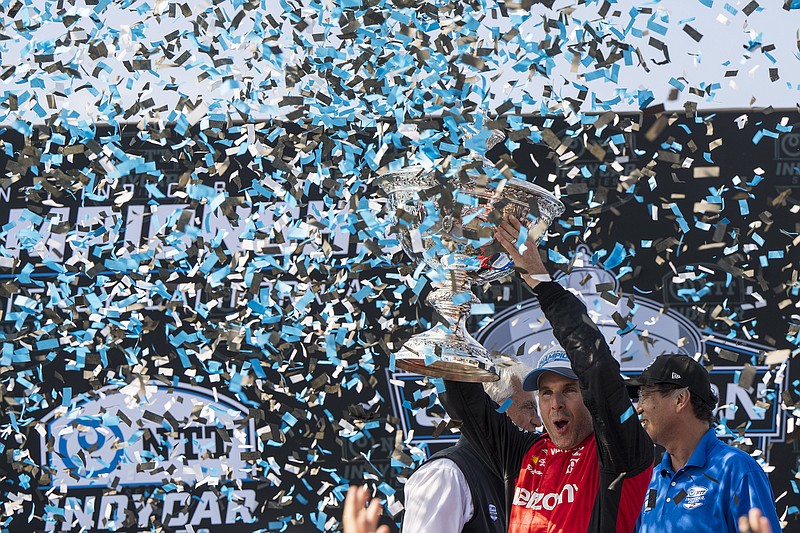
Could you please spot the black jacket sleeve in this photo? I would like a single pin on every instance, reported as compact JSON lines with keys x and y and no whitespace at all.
{"x":622,"y":444}
{"x":494,"y":437}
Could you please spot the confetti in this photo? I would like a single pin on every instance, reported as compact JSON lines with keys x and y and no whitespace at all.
{"x":192,"y":206}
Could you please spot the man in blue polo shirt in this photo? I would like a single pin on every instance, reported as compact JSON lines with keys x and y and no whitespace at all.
{"x":702,"y":484}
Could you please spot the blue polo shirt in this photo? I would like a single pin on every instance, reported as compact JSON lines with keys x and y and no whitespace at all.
{"x":718,"y":484}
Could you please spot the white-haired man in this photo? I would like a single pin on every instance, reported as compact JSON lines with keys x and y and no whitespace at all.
{"x":455,"y":490}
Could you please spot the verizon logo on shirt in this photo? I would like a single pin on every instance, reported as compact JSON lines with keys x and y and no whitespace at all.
{"x":555,"y":489}
{"x":538,"y":501}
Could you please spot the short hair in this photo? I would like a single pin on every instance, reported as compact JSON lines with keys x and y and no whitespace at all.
{"x":502,"y":389}
{"x":701,"y":409}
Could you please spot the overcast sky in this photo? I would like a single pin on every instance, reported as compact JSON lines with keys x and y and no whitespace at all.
{"x":93,"y":63}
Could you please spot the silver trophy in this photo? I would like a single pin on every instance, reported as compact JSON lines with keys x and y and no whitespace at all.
{"x":450,"y":228}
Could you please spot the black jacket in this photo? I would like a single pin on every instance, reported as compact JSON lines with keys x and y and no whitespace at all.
{"x":485,"y":488}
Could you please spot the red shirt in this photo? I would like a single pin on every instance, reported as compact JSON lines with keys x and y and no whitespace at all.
{"x":556,"y":490}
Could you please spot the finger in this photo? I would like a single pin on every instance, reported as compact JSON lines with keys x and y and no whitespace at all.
{"x":350,"y":502}
{"x":383,"y":529}
{"x":758,"y":522}
{"x":350,"y":516}
{"x":516,"y":229}
{"x":744,"y":525}
{"x":506,"y":234}
{"x":505,"y":228}
{"x":505,"y":237}
{"x":374,"y":511}
{"x":510,"y":246}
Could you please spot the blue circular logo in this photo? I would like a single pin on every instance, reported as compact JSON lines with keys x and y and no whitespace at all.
{"x":88,"y":450}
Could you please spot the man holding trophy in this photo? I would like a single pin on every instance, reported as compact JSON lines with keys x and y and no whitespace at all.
{"x":590,"y":470}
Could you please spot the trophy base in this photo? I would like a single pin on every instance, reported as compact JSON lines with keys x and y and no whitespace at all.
{"x":439,"y":353}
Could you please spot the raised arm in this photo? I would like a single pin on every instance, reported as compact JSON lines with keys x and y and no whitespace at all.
{"x":493,"y":435}
{"x":622,"y":443}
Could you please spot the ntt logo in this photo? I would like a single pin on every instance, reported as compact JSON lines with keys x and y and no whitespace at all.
{"x":90,"y":452}
{"x":147,"y":433}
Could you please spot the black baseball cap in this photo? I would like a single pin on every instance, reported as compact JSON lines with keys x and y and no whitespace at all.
{"x":676,"y":369}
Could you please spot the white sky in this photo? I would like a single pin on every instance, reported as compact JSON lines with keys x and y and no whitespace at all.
{"x":126,"y":26}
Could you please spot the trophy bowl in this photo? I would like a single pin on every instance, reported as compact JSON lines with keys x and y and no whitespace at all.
{"x":450,"y":228}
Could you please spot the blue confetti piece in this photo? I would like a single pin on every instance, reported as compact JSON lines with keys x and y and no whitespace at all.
{"x":680,"y":86}
{"x":301,"y":304}
{"x":522,"y":239}
{"x":235,"y":383}
{"x":462,"y":298}
{"x":216,"y":279}
{"x":658,"y":28}
{"x":556,"y":257}
{"x":506,"y":404}
{"x":209,"y":263}
{"x":362,"y":293}
{"x":66,"y":396}
{"x":290,"y":420}
{"x":630,"y":412}
{"x":419,"y":285}
{"x":744,"y":208}
{"x":53,"y":510}
{"x":617,"y":256}
{"x":386,"y":489}
{"x":48,"y":344}
{"x":482,"y":309}
{"x":183,"y":358}
{"x":22,"y":127}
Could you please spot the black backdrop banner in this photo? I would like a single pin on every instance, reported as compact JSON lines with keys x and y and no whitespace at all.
{"x":197,"y":328}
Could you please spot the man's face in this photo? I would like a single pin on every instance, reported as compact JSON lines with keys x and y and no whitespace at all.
{"x":523,"y":408}
{"x":565,"y":417}
{"x":656,"y":410}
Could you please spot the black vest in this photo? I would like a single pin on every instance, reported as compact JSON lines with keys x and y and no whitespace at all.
{"x":486,"y":488}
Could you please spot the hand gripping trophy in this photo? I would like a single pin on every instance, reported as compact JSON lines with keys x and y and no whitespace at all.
{"x":448,"y":225}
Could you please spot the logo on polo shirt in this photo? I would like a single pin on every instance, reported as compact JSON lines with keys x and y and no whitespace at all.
{"x":493,"y":512}
{"x":576,"y":456}
{"x":536,"y":466}
{"x":572,"y":463}
{"x":695,"y":497}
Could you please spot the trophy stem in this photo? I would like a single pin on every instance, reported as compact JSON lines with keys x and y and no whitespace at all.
{"x":448,"y":350}
{"x":453,"y":300}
